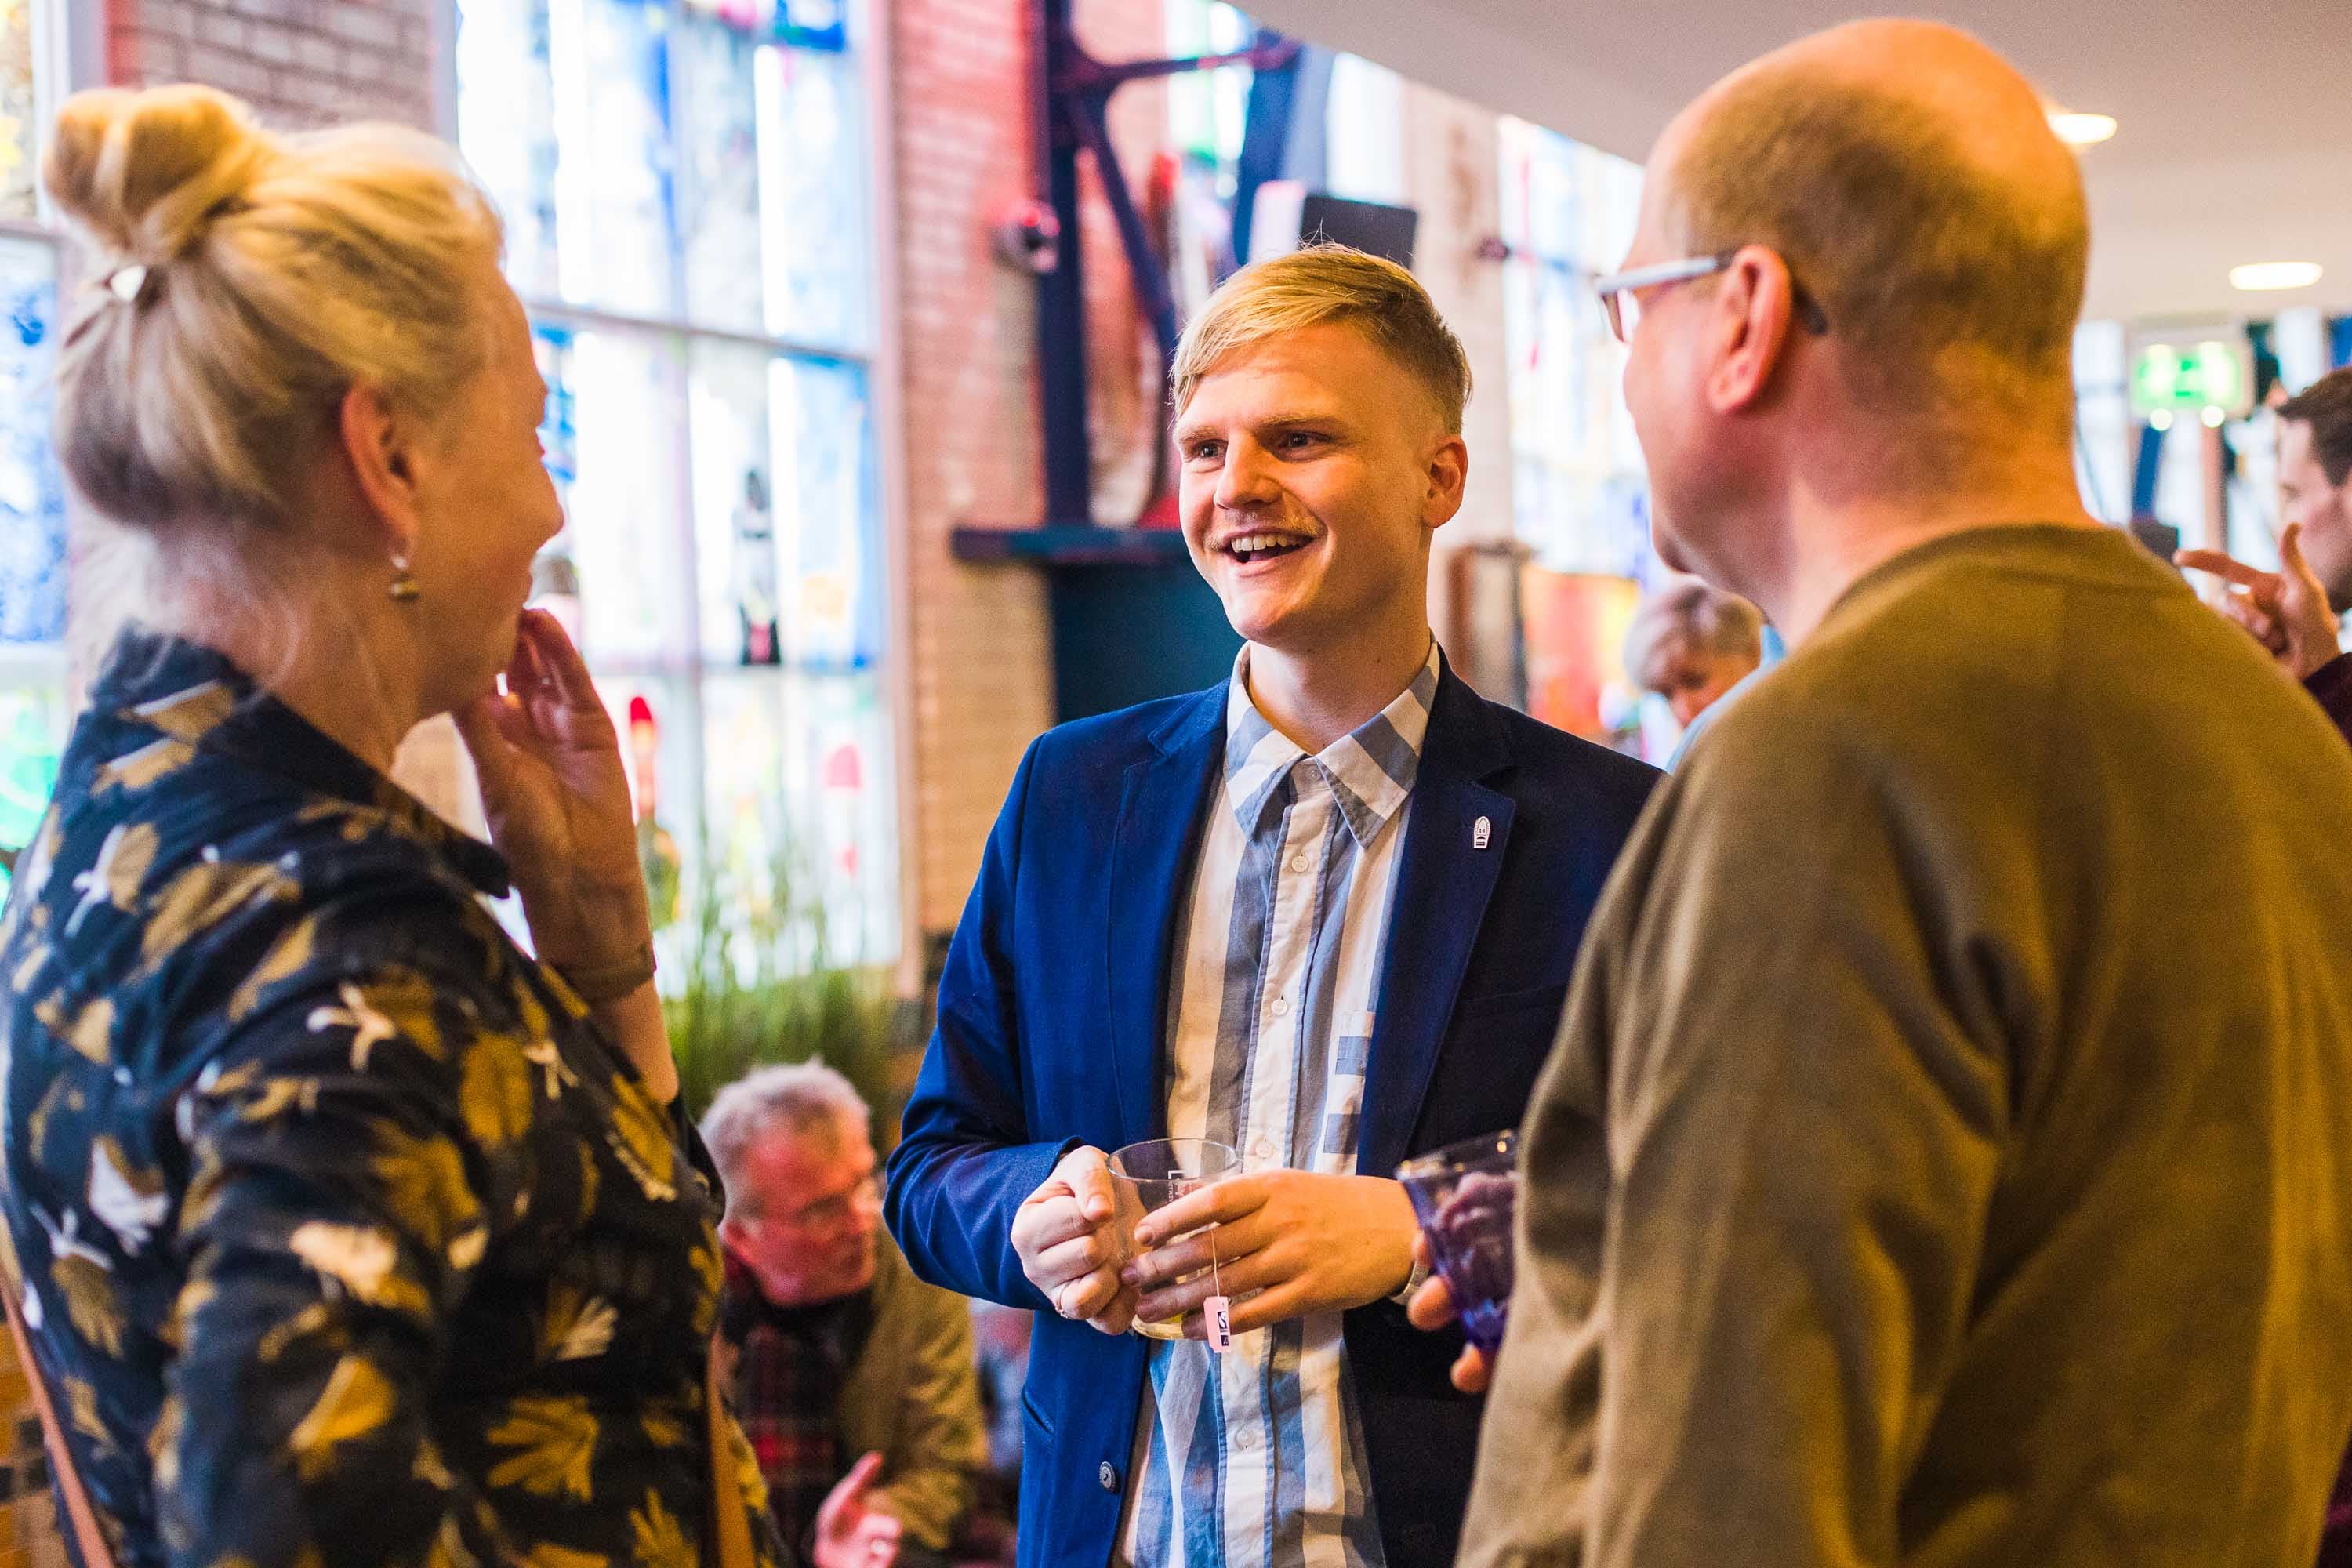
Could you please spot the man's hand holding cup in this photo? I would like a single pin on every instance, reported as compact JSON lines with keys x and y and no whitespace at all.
{"x":1063,"y":1235}
{"x":1432,"y":1308}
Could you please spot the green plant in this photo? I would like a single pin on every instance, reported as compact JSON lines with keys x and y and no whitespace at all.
{"x":762,"y":984}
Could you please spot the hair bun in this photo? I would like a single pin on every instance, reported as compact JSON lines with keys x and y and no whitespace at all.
{"x":145,"y":171}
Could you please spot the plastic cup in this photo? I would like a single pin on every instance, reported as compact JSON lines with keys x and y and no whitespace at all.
{"x":1466,"y":1196}
{"x":1148,"y":1176}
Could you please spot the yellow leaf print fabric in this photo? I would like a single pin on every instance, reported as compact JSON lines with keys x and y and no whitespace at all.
{"x":87,"y":1028}
{"x":557,"y":1439}
{"x":495,"y":1090}
{"x":204,"y":894}
{"x":114,"y":879}
{"x":546,"y":1555}
{"x":641,"y":1141}
{"x":288,"y":957}
{"x":189,"y":715}
{"x":661,"y":1543}
{"x":146,"y":766}
{"x":349,"y":1237}
{"x":356,"y":1403}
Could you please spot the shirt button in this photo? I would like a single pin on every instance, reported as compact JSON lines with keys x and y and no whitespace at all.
{"x":1262,"y":1150}
{"x":1298,"y":862}
{"x":1282,"y":1007}
{"x":1247,"y":1438}
{"x":1108,"y":1477}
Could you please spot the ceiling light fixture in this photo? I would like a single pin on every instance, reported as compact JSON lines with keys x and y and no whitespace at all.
{"x":2260,"y":277}
{"x":2081,"y":129}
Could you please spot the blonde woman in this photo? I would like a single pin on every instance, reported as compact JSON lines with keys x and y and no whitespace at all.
{"x":347,"y":1231}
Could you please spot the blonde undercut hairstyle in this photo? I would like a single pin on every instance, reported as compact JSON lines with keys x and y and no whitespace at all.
{"x":279,"y":272}
{"x":1321,"y":284}
{"x":1940,"y":273}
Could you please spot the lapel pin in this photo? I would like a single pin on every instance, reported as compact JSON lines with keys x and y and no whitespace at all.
{"x":1482,"y":833}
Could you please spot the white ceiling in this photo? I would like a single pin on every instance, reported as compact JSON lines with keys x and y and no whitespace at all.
{"x":2235,"y":139}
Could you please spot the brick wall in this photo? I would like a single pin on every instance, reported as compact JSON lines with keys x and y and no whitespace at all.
{"x":301,"y":62}
{"x":982,"y":660}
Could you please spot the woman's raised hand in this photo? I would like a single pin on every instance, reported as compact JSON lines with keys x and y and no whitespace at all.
{"x":557,"y":799}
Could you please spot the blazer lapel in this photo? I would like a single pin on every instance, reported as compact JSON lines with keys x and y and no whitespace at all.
{"x":1158,"y":825}
{"x":1444,"y":882}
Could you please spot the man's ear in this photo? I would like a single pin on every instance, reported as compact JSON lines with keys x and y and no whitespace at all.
{"x":1447,"y":472}
{"x":378,"y":444}
{"x":1753,"y":307}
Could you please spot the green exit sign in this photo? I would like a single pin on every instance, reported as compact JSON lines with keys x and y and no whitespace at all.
{"x":2187,"y":378}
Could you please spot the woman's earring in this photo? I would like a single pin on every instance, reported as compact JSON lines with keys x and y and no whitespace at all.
{"x":404,"y":590}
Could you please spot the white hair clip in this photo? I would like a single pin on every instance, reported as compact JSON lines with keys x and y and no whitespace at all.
{"x":124,"y":282}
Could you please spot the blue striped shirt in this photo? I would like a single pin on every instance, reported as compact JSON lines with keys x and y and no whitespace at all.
{"x":1255,"y":1459}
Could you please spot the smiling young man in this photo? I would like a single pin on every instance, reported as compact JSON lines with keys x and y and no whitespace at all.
{"x":1325,"y":913}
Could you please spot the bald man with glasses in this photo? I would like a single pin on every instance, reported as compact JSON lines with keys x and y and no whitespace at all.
{"x":1947,"y":1155}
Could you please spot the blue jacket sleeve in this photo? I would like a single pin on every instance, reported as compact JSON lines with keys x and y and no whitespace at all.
{"x":967,"y":1156}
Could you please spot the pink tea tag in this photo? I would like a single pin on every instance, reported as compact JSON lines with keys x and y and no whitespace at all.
{"x":1218,"y":1314}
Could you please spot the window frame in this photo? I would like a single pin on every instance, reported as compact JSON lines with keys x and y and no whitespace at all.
{"x":868,"y":42}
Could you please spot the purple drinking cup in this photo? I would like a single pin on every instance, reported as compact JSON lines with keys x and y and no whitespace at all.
{"x":1466,"y":1196}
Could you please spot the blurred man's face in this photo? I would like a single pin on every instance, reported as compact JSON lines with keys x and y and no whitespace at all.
{"x":1694,"y":679}
{"x":805,"y":1223}
{"x":1664,"y":364}
{"x":2324,"y":510}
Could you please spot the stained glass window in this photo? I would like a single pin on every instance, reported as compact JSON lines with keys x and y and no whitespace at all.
{"x":34,"y":710}
{"x":33,"y":724}
{"x":797,"y":808}
{"x":831,"y":568}
{"x":32,"y":495}
{"x":813,"y":198}
{"x":682,"y":161}
{"x":689,"y":216}
{"x":624,"y":535}
{"x":19,"y":106}
{"x":1578,"y":490}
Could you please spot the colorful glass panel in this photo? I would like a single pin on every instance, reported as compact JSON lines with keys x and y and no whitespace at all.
{"x":32,"y":492}
{"x":33,"y":725}
{"x":814,"y":189}
{"x":19,"y":110}
{"x":700,"y":166}
{"x":1579,"y":493}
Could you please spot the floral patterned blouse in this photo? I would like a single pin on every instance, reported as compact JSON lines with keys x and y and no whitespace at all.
{"x":347,"y":1238}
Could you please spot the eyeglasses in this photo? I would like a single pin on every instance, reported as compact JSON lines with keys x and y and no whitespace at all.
{"x":1621,"y":292}
{"x":837,"y":1211}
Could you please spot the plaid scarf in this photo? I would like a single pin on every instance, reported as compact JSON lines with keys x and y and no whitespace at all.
{"x":790,"y":1366}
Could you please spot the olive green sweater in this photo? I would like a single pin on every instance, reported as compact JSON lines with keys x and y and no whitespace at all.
{"x":1947,"y":1159}
{"x":913,"y":1396}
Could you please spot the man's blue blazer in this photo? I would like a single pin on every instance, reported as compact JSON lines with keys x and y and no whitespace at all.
{"x":1052,"y":1025}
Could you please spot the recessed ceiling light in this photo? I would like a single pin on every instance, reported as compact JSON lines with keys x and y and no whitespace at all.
{"x":2081,"y":130}
{"x":2257,"y":276}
